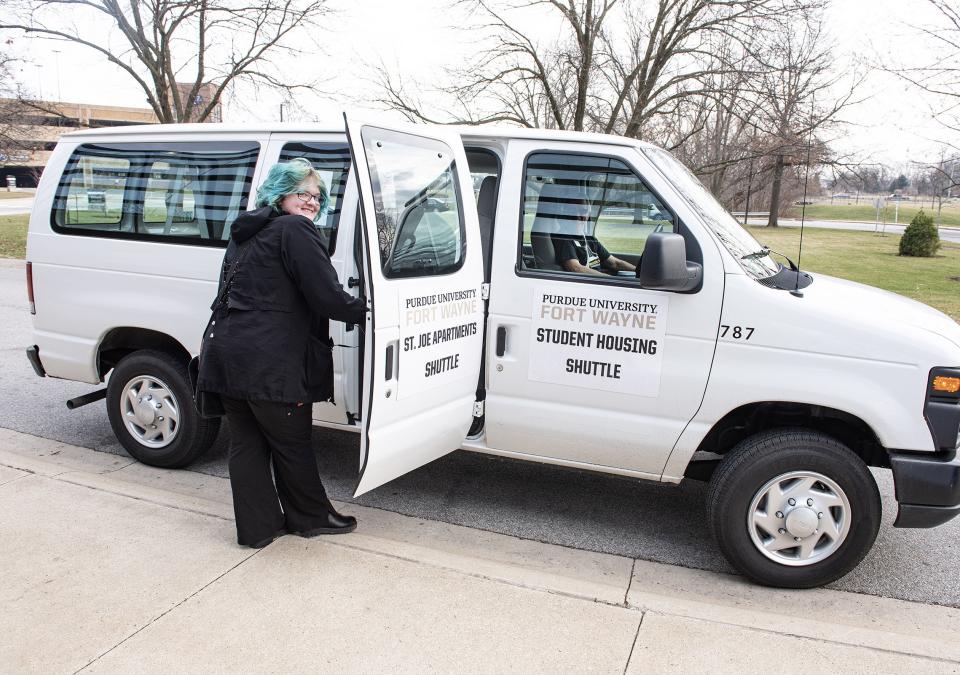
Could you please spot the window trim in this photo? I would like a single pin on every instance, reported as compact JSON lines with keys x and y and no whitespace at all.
{"x":613,"y":280}
{"x":153,"y":146}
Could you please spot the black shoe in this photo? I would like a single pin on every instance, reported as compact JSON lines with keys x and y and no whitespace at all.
{"x":336,"y":524}
{"x":266,"y":542}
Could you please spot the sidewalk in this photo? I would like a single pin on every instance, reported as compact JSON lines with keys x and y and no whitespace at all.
{"x":112,"y":566}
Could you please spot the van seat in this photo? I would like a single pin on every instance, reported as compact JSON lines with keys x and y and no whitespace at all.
{"x":486,"y":211}
{"x":545,"y":258}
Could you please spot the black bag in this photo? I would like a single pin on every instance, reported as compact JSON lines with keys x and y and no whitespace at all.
{"x":209,"y":403}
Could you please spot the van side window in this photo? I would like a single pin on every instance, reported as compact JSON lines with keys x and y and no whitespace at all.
{"x":332,"y":160}
{"x":416,"y":197}
{"x":185,"y":193}
{"x":586,"y":208}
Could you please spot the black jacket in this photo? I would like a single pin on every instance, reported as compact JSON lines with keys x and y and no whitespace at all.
{"x":271,"y":341}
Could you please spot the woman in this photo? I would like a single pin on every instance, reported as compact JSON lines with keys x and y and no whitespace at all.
{"x":268,"y":355}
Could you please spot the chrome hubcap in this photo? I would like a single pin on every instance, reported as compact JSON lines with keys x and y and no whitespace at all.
{"x":799,"y":518}
{"x":150,"y":411}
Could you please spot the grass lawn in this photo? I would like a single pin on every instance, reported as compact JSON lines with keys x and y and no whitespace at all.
{"x":949,"y":216}
{"x":15,"y":195}
{"x":872,"y":259}
{"x":13,"y":236}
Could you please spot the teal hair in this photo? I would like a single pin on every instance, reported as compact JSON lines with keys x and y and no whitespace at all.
{"x":285,"y":178}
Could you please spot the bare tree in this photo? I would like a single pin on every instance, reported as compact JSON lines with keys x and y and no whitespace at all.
{"x":15,"y":109}
{"x":618,"y":65}
{"x":797,"y":92}
{"x":938,"y":179}
{"x":8,"y":99}
{"x":681,"y":50}
{"x":520,"y":80}
{"x":718,"y":137}
{"x":209,"y":43}
{"x":737,"y":88}
{"x":939,"y":75}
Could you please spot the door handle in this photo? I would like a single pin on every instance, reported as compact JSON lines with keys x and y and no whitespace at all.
{"x":501,"y":340}
{"x":389,"y":365}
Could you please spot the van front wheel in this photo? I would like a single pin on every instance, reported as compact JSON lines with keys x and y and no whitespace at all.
{"x":793,"y":508}
{"x":152,"y":412}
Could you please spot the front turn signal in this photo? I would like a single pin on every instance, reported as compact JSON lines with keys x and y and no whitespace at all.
{"x":947,"y":385}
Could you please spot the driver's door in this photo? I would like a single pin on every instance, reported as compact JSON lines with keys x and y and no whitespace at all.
{"x":423,"y":268}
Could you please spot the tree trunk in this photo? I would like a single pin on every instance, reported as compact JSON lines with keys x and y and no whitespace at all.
{"x":772,"y":220}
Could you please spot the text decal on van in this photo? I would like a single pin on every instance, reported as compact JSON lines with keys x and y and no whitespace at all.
{"x":600,"y":339}
{"x":441,"y":337}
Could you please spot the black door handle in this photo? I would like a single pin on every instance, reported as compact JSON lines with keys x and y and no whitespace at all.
{"x":388,"y":367}
{"x":501,"y":340}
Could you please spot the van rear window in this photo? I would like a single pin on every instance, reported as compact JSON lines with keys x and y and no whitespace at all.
{"x":177,"y":192}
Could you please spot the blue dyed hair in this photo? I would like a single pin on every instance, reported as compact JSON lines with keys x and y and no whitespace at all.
{"x":285,"y":178}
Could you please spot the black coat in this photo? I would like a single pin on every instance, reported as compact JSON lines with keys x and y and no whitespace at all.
{"x":271,"y":341}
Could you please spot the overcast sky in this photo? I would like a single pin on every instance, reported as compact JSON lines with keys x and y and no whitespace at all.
{"x":418,"y":38}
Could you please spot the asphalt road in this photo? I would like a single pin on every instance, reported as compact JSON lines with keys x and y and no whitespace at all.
{"x":11,"y":207}
{"x":561,"y":506}
{"x":951,"y":234}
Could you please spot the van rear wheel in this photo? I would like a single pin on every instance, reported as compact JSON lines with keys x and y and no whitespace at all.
{"x":152,"y":413}
{"x":793,"y":508}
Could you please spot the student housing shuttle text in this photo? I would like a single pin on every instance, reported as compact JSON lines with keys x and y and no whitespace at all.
{"x":607,"y":340}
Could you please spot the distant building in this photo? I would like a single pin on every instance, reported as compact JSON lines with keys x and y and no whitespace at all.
{"x":41,"y":129}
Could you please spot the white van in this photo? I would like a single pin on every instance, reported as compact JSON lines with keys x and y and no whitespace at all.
{"x":710,"y":361}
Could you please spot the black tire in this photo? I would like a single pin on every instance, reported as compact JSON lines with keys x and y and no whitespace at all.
{"x":191,"y":435}
{"x":768,"y":456}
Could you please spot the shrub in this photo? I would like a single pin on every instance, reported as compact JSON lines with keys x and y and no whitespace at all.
{"x":920,"y":239}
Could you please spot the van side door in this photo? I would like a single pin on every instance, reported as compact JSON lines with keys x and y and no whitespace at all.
{"x":423,"y":273}
{"x":589,"y":368}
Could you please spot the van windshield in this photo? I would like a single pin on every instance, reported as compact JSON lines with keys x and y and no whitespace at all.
{"x":741,"y":244}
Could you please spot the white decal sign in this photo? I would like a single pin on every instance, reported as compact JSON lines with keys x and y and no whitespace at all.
{"x":608,"y":339}
{"x":441,"y":337}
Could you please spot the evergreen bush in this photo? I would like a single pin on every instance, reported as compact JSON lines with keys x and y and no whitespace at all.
{"x":920,"y":239}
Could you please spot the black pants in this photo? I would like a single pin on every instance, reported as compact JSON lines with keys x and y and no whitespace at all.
{"x":261,"y":431}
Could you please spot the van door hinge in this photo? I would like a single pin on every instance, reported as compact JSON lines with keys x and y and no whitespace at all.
{"x":478,"y":408}
{"x":484,"y":291}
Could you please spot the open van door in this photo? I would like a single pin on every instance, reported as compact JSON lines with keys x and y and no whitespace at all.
{"x":424,"y":269}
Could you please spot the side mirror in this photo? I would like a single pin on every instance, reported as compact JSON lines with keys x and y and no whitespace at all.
{"x":664,"y":265}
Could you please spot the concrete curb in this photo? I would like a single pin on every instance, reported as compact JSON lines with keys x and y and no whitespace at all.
{"x":824,"y":615}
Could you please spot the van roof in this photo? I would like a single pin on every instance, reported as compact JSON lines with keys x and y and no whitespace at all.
{"x":475,"y":133}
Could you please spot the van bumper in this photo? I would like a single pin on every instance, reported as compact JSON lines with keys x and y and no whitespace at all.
{"x":927,"y":488}
{"x":33,"y":356}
